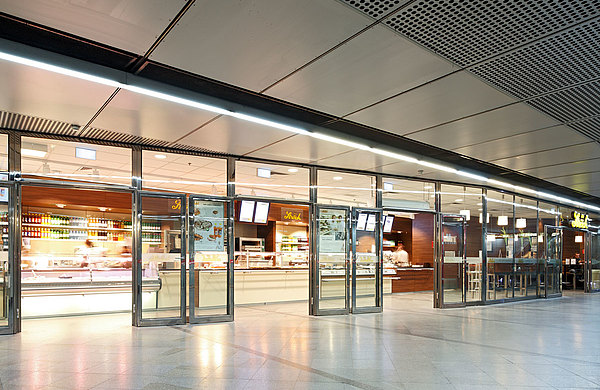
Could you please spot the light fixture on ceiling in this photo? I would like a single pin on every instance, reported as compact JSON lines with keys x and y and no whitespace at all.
{"x":427,"y":187}
{"x":502,"y":220}
{"x":487,"y":220}
{"x":102,"y":208}
{"x":263,"y":172}
{"x":458,"y":200}
{"x":521,"y":223}
{"x":61,"y":205}
{"x":579,"y":239}
{"x":160,"y":156}
{"x":30,"y":149}
{"x":466,"y":213}
{"x":282,"y":126}
{"x":388,"y":186}
{"x":337,"y":178}
{"x":85,"y":153}
{"x":292,"y":170}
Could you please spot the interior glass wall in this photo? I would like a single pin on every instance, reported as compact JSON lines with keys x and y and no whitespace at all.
{"x":271,"y":181}
{"x":500,"y":245}
{"x":594,"y":258}
{"x":549,"y":249}
{"x":74,"y":161}
{"x":574,"y":244}
{"x":346,"y":189}
{"x":468,"y":201}
{"x":526,"y":248}
{"x":182,"y":173}
{"x":3,"y":157}
{"x":408,"y":194}
{"x":4,"y":268}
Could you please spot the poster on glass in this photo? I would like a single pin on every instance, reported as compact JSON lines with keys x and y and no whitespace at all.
{"x":209,"y":230}
{"x":332,"y":231}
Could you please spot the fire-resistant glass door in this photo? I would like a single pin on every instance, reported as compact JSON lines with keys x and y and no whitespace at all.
{"x":210,"y":270}
{"x":332,"y":261}
{"x":367,"y":263}
{"x":593,"y":263}
{"x":160,"y":267}
{"x":453,"y":261}
{"x":553,"y":277}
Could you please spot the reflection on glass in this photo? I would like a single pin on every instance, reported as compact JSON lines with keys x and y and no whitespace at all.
{"x":161,"y":257}
{"x":4,"y":258}
{"x":347,"y":189}
{"x":210,"y":263}
{"x":271,"y":180}
{"x":526,"y":248}
{"x":452,"y":261}
{"x":595,"y":261}
{"x":500,"y":246}
{"x":553,"y":260}
{"x":408,"y":194}
{"x":332,"y":254}
{"x":367,"y":261}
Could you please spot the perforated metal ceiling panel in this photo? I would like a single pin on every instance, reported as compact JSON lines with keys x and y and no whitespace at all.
{"x":374,"y":8}
{"x":468,"y":31}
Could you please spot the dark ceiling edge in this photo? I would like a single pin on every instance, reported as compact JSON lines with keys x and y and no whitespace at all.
{"x":32,"y":34}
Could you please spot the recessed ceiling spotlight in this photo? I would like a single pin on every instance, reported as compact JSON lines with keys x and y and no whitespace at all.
{"x":102,"y":208}
{"x":427,"y":187}
{"x":160,"y":156}
{"x":337,"y":178}
{"x":293,"y":170}
{"x":61,"y":205}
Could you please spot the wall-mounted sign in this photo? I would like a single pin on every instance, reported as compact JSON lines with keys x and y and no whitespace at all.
{"x":579,"y":220}
{"x":291,"y":215}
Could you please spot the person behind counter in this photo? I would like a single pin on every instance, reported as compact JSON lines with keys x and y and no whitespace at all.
{"x":91,"y":254}
{"x":400,"y":256}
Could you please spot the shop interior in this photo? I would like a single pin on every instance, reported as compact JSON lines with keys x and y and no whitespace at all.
{"x":573,"y":259}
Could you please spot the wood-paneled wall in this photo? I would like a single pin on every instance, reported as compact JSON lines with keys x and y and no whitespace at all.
{"x":422,"y":239}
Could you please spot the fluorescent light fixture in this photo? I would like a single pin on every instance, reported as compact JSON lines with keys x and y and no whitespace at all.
{"x":263,"y":172}
{"x":88,"y":154}
{"x":266,"y":122}
{"x":337,"y":178}
{"x":388,"y":186}
{"x":578,"y":238}
{"x":502,"y":220}
{"x":29,"y":149}
{"x":61,"y":205}
{"x":102,"y":208}
{"x":521,"y":223}
{"x":466,"y":213}
{"x":292,"y":170}
{"x":487,"y":220}
{"x":458,"y":200}
{"x":427,"y":187}
{"x":160,"y":156}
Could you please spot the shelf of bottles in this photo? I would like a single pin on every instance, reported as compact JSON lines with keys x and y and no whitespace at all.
{"x":59,"y":227}
{"x":4,"y":225}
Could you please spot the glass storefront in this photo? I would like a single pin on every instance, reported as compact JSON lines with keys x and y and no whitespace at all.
{"x":201,"y":241}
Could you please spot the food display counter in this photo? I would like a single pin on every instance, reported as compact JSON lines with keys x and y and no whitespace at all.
{"x":411,"y":279}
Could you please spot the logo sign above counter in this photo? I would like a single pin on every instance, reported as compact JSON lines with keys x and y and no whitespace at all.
{"x":579,"y":220}
{"x":288,"y":214}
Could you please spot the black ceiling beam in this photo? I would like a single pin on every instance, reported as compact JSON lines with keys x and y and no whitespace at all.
{"x":43,"y":37}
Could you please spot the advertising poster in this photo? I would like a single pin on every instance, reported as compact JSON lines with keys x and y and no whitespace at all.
{"x":332,"y":231}
{"x":209,"y":226}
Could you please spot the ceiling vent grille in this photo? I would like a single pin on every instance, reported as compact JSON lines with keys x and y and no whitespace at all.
{"x":113,"y":136}
{"x":374,"y":8}
{"x":12,"y":121}
{"x":589,"y":127}
{"x":469,"y":31}
{"x":565,"y":59}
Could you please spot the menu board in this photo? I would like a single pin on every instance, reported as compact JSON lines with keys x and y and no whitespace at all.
{"x":209,"y":226}
{"x":247,"y":211}
{"x":332,"y":231}
{"x":371,"y":222}
{"x":389,"y":222}
{"x":262,"y":212}
{"x":362,"y":221}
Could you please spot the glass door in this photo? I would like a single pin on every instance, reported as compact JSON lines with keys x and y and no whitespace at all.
{"x":454,"y":261}
{"x":7,"y":303}
{"x":553,"y":277}
{"x":160,"y":265}
{"x":367,"y":261}
{"x":210,"y":270}
{"x":332,"y":261}
{"x":593,"y":263}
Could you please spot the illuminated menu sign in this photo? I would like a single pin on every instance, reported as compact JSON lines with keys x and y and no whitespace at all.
{"x":371,"y":222}
{"x":262,"y":212}
{"x":389,"y":222}
{"x":362,"y":221}
{"x":579,"y":220}
{"x":247,"y":211}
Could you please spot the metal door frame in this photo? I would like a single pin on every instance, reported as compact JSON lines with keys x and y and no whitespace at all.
{"x":378,"y":308}
{"x":315,"y":275}
{"x":462,"y":265}
{"x":138,"y":319}
{"x":193,"y":319}
{"x":588,"y":262}
{"x":12,"y":285}
{"x":546,"y":260}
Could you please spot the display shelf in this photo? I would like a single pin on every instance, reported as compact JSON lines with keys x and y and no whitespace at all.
{"x":37,"y":225}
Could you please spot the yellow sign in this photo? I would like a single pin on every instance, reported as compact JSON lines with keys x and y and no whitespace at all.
{"x":291,"y":214}
{"x":176,"y":205}
{"x":580,"y":221}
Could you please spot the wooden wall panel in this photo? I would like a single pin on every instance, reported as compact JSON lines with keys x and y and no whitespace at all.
{"x":422,"y":239}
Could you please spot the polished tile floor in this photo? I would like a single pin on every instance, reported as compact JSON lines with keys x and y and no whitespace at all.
{"x":543,"y":344}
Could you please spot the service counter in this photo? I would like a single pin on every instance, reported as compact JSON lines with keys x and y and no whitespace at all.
{"x":412,"y":279}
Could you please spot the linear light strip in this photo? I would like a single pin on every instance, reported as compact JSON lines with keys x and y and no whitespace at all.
{"x":281,"y":126}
